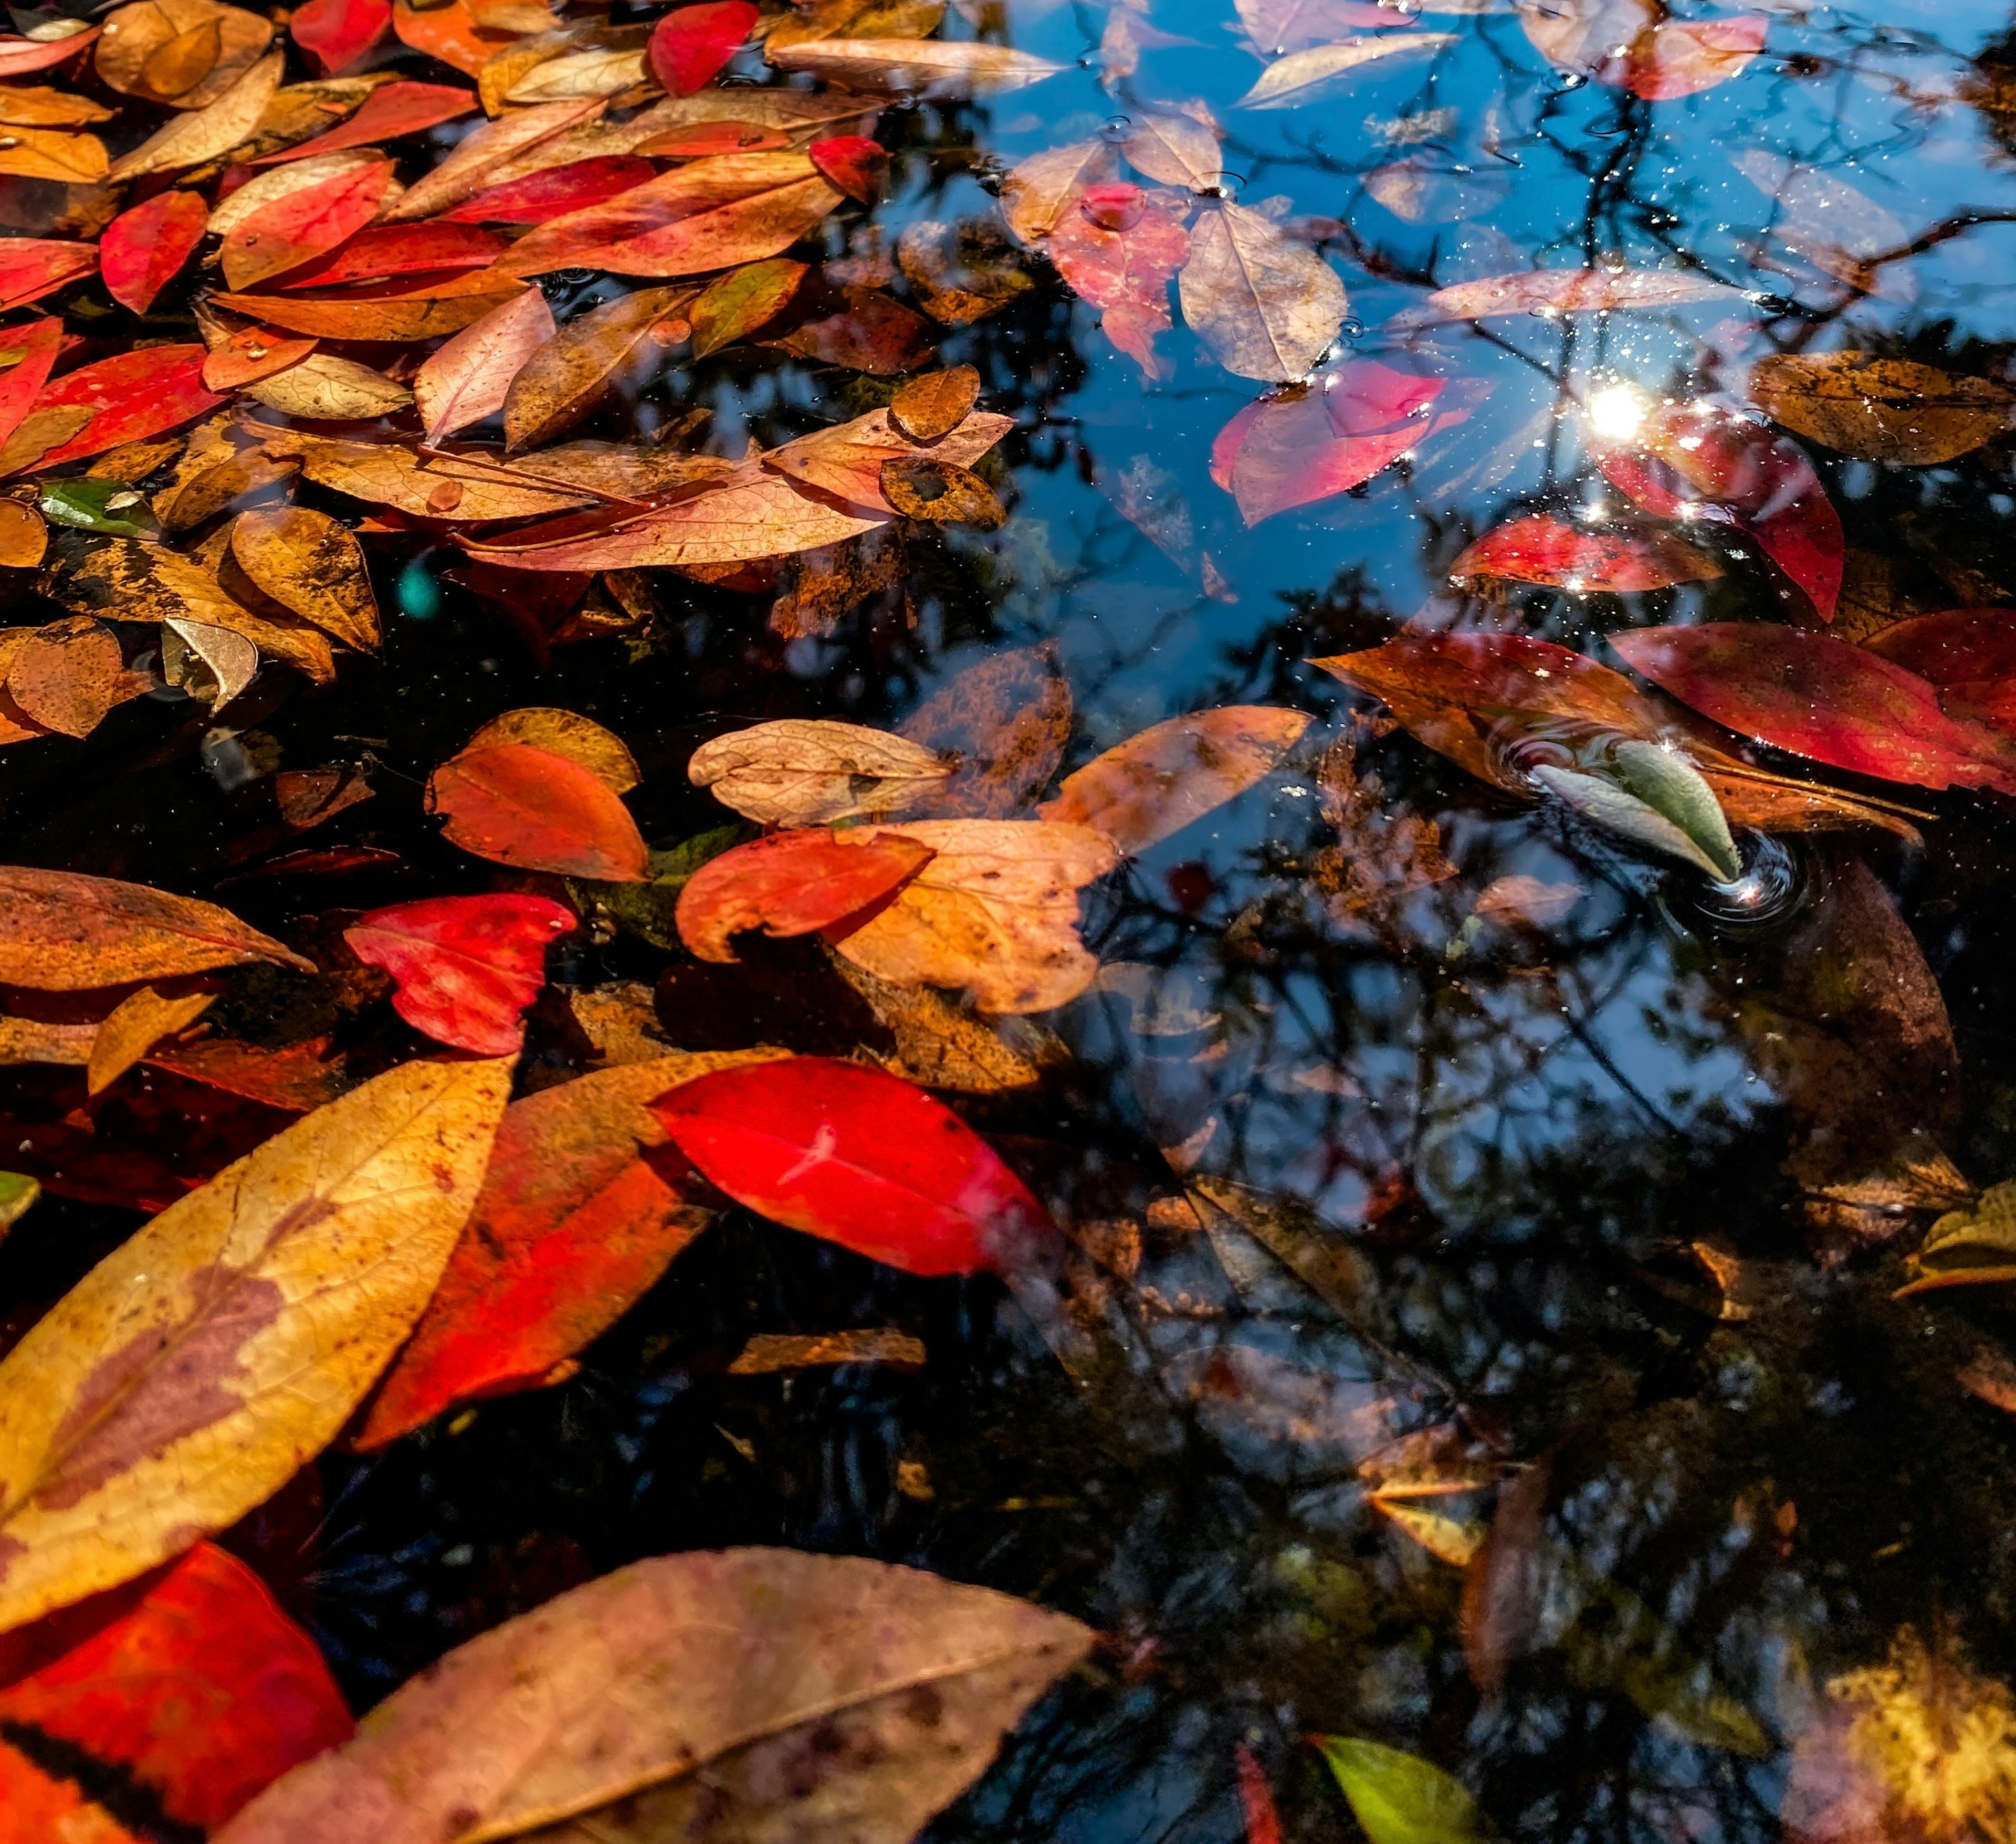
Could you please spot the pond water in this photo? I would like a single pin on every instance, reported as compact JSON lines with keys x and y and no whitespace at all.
{"x":1404,"y":1105}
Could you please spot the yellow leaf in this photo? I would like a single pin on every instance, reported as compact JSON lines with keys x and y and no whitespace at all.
{"x":135,"y":1026}
{"x":195,"y":1370}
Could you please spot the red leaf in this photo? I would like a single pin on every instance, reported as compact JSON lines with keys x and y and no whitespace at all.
{"x":304,"y":225}
{"x":1955,"y":647}
{"x":18,"y":56}
{"x":1692,"y":455}
{"x":337,"y":34}
{"x":697,"y":140}
{"x":1121,"y":260}
{"x":541,"y":196}
{"x":390,"y":250}
{"x":854,"y":163}
{"x":466,"y":966}
{"x":860,"y":1158}
{"x":1682,"y":57}
{"x":791,"y":883}
{"x":1543,"y":549}
{"x":1821,"y":698}
{"x":32,"y":267}
{"x":392,"y":110}
{"x":1263,"y":1818}
{"x":37,"y":344}
{"x":517,"y":805}
{"x":135,"y":395}
{"x":572,"y":1226}
{"x":1288,"y":452}
{"x":143,"y":249}
{"x":691,"y":43}
{"x":190,"y":1679}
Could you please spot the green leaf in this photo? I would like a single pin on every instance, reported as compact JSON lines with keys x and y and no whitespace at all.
{"x":1972,"y":1246}
{"x":1653,"y":797}
{"x":109,"y":506}
{"x":17,"y":1192}
{"x":647,"y":910}
{"x":1398,"y":1798}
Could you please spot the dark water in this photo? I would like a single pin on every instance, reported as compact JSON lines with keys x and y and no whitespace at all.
{"x":1519,"y":1131}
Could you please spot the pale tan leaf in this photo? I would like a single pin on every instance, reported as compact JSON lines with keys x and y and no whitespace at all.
{"x":917,"y":67}
{"x":322,"y":388}
{"x":811,"y":771}
{"x":1288,"y":81}
{"x":1266,"y":306}
{"x":1177,"y":150}
{"x":1564,"y":291}
{"x":587,"y":73}
{"x":444,"y":486}
{"x":190,"y":140}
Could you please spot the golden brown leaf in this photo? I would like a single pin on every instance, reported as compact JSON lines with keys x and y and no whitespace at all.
{"x":566,"y":733}
{"x":66,"y":676}
{"x":941,"y":492}
{"x":44,"y":154}
{"x":393,"y":317}
{"x":187,"y":53}
{"x":444,"y":486}
{"x":25,"y":536}
{"x":196,"y":1368}
{"x":1881,"y":409}
{"x":311,"y":565}
{"x":846,"y":460}
{"x":936,"y":404}
{"x":995,"y":914}
{"x":769,"y":1352}
{"x":1037,"y":192}
{"x":135,"y":1025}
{"x":190,"y":140}
{"x":588,"y":361}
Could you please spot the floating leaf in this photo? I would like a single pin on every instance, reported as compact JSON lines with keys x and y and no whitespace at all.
{"x":1286,"y":83}
{"x":1267,"y":307}
{"x":1652,"y":795}
{"x":32,"y":267}
{"x":517,"y":805}
{"x":195,"y":1369}
{"x":803,"y":772}
{"x":739,"y":303}
{"x":29,"y":353}
{"x":304,"y":225}
{"x":1398,"y":1798}
{"x":1175,"y":772}
{"x":143,"y":249}
{"x":1544,"y":549}
{"x":936,"y":404}
{"x":791,"y":883}
{"x":186,"y":52}
{"x":190,"y":140}
{"x":847,"y":459}
{"x":1563,"y":291}
{"x":1630,"y":44}
{"x":389,"y":111}
{"x":1119,"y":250}
{"x":994,"y":914}
{"x":588,"y":361}
{"x":859,"y":1158}
{"x":915,"y":67}
{"x":574,"y":1224}
{"x":711,"y":1673}
{"x":309,"y":564}
{"x":1881,"y":409}
{"x":464,"y":968}
{"x":1037,"y":192}
{"x":128,"y":398}
{"x":338,"y":34}
{"x":135,"y":1025}
{"x":566,"y":733}
{"x":690,"y":44}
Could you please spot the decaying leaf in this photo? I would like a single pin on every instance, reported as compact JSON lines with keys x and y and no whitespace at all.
{"x":801,"y":772}
{"x":1881,"y":409}
{"x":1267,"y":307}
{"x":307,"y":562}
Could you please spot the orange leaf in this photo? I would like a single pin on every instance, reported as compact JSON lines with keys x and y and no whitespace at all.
{"x":517,"y":805}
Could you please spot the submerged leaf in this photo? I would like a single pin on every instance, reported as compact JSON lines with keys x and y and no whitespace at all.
{"x":1882,"y":409}
{"x":1398,"y":1798}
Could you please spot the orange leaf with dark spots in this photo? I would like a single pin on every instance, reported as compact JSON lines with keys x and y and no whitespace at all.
{"x":191,"y":1680}
{"x":573,"y":1225}
{"x":791,"y":883}
{"x":466,"y":967}
{"x":517,"y":805}
{"x":143,"y":249}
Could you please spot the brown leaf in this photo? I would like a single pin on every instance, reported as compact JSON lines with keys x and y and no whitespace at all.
{"x":916,"y":67}
{"x":941,"y":1043}
{"x":196,"y":1369}
{"x":769,"y":1352}
{"x":812,"y":772}
{"x":444,"y":487}
{"x":1005,"y":721}
{"x":941,"y":492}
{"x":1154,"y":784}
{"x":936,"y":404}
{"x":847,"y":459}
{"x":589,"y":360}
{"x":66,"y":676}
{"x":701,"y":1691}
{"x":322,"y":387}
{"x":43,"y":154}
{"x":134,"y":1026}
{"x":1266,"y":306}
{"x":1881,"y":409}
{"x":190,"y":140}
{"x":1177,"y":150}
{"x":961,"y":272}
{"x":994,"y":914}
{"x":186,"y":53}
{"x":309,"y":564}
{"x":25,"y":536}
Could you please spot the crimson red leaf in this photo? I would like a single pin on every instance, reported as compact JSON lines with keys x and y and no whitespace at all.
{"x":1542,"y":549}
{"x":1694,"y":455}
{"x":518,"y":805}
{"x":32,"y":267}
{"x":189,"y":1679}
{"x":338,"y":34}
{"x":573,"y":1223}
{"x":34,"y":347}
{"x":1955,"y":647}
{"x":466,"y":966}
{"x":541,"y":196}
{"x":390,"y":250}
{"x":1290,"y":451}
{"x":392,"y":110}
{"x":1821,"y":698}
{"x":134,"y":395}
{"x":860,"y":1158}
{"x":791,"y":883}
{"x":143,"y":249}
{"x":854,"y":163}
{"x":691,"y":43}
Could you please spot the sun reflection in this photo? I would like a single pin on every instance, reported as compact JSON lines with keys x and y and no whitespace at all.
{"x":1616,"y":411}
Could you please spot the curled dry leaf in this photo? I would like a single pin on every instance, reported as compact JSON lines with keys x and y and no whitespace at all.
{"x":184,"y":53}
{"x":1881,"y":409}
{"x":936,"y":404}
{"x":517,"y":805}
{"x":575,"y":1222}
{"x":812,"y":772}
{"x":1542,"y":549}
{"x":311,"y":565}
{"x":171,"y":1389}
{"x":993,"y":914}
{"x":1266,"y":306}
{"x":1563,"y":291}
{"x":464,"y":968}
{"x":136,"y":1024}
{"x":859,"y":1158}
{"x":683,"y":1683}
{"x":795,"y":882}
{"x":915,"y":67}
{"x":1142,"y":790}
{"x":61,"y":931}
{"x":1289,"y":82}
{"x":566,"y":733}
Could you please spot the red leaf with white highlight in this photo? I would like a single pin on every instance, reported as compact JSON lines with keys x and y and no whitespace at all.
{"x":1554,"y":551}
{"x":143,"y":249}
{"x":190,"y":1679}
{"x":466,"y":966}
{"x":1820,"y":697}
{"x":860,"y":1158}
